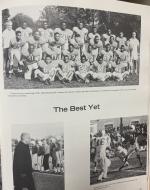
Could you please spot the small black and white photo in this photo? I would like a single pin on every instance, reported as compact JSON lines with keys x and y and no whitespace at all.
{"x":38,"y":156}
{"x":51,"y":47}
{"x":118,"y":148}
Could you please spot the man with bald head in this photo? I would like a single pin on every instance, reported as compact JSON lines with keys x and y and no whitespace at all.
{"x":22,"y":164}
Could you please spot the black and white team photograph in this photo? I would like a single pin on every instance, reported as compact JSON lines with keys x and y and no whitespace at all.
{"x":69,"y":47}
{"x":38,"y":156}
{"x":118,"y":148}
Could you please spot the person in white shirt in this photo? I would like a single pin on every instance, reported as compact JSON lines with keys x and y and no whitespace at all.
{"x":94,"y":33}
{"x":134,"y":48}
{"x":55,"y":47}
{"x":113,"y":43}
{"x":66,"y":71}
{"x":89,"y":54}
{"x":102,"y":157}
{"x":82,"y":31}
{"x":97,"y":47}
{"x":83,"y":70}
{"x":30,"y":60}
{"x":25,"y":31}
{"x":73,"y":53}
{"x":65,"y":35}
{"x":99,"y":69}
{"x":7,"y":35}
{"x":81,"y":34}
{"x":108,"y":57}
{"x":121,"y":153}
{"x":15,"y":52}
{"x":47,"y":34}
{"x":106,"y":36}
{"x":47,"y":70}
{"x":121,"y":40}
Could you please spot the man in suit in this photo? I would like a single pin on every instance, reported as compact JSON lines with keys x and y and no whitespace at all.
{"x":22,"y":164}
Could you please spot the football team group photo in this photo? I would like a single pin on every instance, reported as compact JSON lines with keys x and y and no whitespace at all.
{"x":69,"y":47}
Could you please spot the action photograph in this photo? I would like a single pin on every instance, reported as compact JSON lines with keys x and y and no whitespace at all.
{"x":69,"y":47}
{"x":38,"y":156}
{"x":118,"y":148}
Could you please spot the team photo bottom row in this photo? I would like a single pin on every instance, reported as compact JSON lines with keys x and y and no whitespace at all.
{"x":118,"y":150}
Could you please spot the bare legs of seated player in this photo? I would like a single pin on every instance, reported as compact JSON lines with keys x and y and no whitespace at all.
{"x":65,"y":76}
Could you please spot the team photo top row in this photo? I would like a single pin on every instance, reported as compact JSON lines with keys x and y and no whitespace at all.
{"x":75,"y":55}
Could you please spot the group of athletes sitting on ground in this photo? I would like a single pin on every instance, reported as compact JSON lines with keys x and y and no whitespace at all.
{"x":105,"y":146}
{"x":69,"y":54}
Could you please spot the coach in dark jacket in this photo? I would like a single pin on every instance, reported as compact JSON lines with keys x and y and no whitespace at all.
{"x":22,"y":165}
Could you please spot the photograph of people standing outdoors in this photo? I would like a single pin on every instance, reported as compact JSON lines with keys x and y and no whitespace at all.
{"x":69,"y":47}
{"x":38,"y":156}
{"x":118,"y":148}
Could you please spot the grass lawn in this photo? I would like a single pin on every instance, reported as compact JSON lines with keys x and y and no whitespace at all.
{"x":20,"y":83}
{"x":130,"y":171}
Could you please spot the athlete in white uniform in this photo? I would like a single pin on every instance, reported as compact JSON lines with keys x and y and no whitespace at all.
{"x":81,"y":35}
{"x":65,"y":35}
{"x":55,"y":47}
{"x":47,"y":34}
{"x":108,"y":59}
{"x":99,"y":69}
{"x":121,"y":152}
{"x":121,"y":40}
{"x":121,"y":71}
{"x":83,"y":70}
{"x":15,"y":49}
{"x":134,"y":46}
{"x":73,"y":53}
{"x":30,"y":60}
{"x":97,"y":47}
{"x":94,"y":33}
{"x":106,"y":36}
{"x":47,"y":70}
{"x":103,"y":160}
{"x":26,"y":31}
{"x":66,"y":71}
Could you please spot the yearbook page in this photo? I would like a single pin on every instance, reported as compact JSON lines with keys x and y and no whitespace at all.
{"x":74,"y":95}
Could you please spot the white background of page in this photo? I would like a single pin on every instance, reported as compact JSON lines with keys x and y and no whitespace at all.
{"x":114,"y":101}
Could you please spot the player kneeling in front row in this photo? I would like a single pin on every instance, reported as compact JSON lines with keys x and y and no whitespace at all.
{"x":121,"y":68}
{"x":99,"y":69}
{"x":83,"y":72}
{"x":47,"y":70}
{"x":15,"y":51}
{"x":30,"y":60}
{"x":66,"y":69}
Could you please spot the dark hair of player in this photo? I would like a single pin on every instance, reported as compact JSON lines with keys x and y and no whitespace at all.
{"x":71,"y":45}
{"x":63,"y":22}
{"x":122,"y":46}
{"x":83,"y":56}
{"x":18,"y":32}
{"x":66,"y":55}
{"x":48,"y":56}
{"x":56,"y":33}
{"x":107,"y":45}
{"x":99,"y":57}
